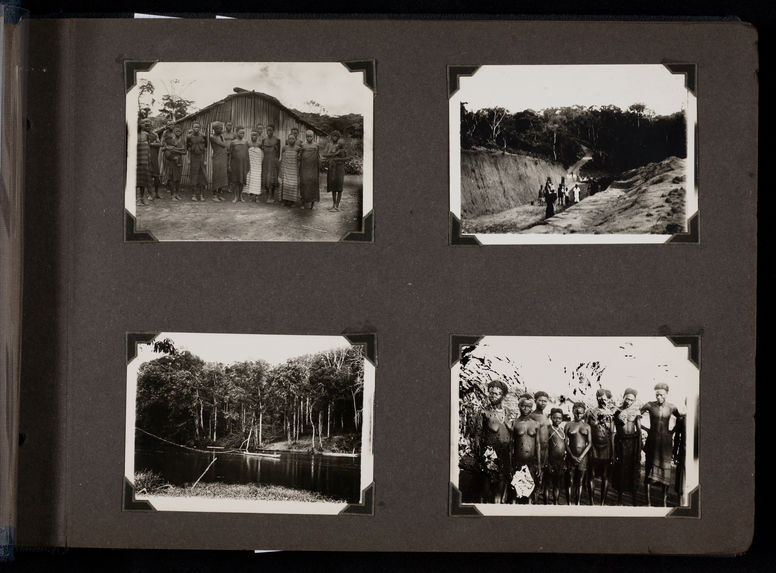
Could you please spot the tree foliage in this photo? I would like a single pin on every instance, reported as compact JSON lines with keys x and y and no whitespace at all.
{"x":145,"y":98}
{"x":619,"y":139}
{"x":188,"y":401}
{"x":175,"y":107}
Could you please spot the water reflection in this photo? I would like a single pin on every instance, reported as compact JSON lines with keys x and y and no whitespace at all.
{"x":336,"y":477}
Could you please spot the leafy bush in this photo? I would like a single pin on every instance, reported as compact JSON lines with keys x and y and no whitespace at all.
{"x":354,"y":166}
{"x":147,"y":481}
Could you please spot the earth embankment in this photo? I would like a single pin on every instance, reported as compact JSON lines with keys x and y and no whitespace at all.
{"x":492,"y":181}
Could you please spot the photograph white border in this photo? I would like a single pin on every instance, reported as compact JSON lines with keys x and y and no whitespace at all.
{"x":130,"y":191}
{"x":692,"y":471}
{"x":213,"y":505}
{"x":691,"y":188}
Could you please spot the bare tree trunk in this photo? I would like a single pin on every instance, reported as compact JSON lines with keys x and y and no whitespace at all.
{"x":261,"y":417}
{"x":320,"y":427}
{"x":328,"y":420}
{"x":248,"y":443}
{"x":215,"y":422}
{"x":355,"y":410}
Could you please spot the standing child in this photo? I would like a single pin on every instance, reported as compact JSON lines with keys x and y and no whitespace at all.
{"x":255,"y":155}
{"x":336,"y":155}
{"x":556,"y":455}
{"x":239,"y":164}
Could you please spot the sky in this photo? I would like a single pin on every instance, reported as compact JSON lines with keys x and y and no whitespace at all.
{"x":638,"y":362}
{"x":230,"y":348}
{"x":330,"y":84}
{"x":518,"y":88}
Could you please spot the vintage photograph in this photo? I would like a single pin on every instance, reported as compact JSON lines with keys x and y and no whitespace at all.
{"x":249,"y":151}
{"x":249,"y":423}
{"x":572,"y":154}
{"x":574,"y":425}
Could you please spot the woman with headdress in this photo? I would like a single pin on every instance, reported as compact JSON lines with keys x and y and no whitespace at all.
{"x":491,"y":444}
{"x":309,"y":171}
{"x":143,"y":158}
{"x":270,"y":146}
{"x":627,"y":446}
{"x":255,"y":156}
{"x":289,"y":172}
{"x":219,"y":147}
{"x":335,"y":155}
{"x":659,"y":446}
{"x":578,"y":444}
{"x":239,"y":164}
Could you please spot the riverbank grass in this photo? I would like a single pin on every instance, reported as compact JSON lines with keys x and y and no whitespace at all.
{"x":218,"y":490}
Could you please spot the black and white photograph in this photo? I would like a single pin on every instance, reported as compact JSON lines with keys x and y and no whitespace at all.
{"x":572,"y":154}
{"x":249,"y":423}
{"x":577,"y":426}
{"x":227,"y":151}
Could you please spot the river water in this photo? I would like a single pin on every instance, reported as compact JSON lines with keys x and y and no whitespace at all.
{"x":333,"y":476}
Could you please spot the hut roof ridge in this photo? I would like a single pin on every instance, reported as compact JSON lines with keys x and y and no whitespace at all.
{"x":238,"y":92}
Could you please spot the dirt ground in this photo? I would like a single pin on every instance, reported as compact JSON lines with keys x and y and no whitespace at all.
{"x":188,"y":220}
{"x":516,"y":219}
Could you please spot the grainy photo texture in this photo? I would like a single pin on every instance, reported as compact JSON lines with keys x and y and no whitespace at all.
{"x":572,"y":153}
{"x":249,"y":423}
{"x":249,"y":151}
{"x":575,"y":426}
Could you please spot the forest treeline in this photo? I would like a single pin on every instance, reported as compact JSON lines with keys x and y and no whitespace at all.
{"x":246,"y":405}
{"x":618,"y":139}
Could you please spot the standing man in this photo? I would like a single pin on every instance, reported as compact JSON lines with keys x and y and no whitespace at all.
{"x":228,"y":135}
{"x":601,"y":421}
{"x":627,"y":446}
{"x":196,"y":145}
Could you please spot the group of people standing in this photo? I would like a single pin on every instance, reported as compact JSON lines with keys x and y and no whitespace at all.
{"x":254,"y":166}
{"x":566,"y":455}
{"x":563,"y":196}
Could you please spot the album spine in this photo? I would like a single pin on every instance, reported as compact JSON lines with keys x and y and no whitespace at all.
{"x":13,"y":71}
